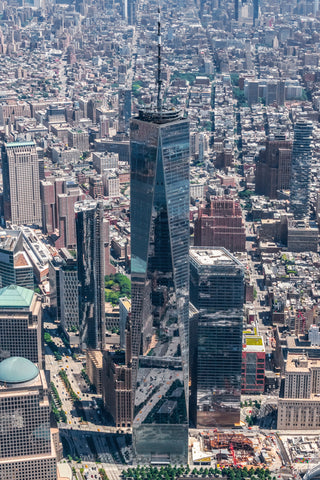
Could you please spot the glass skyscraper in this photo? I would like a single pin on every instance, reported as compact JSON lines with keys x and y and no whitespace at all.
{"x":301,"y":170}
{"x":91,"y":260}
{"x":217,"y":292}
{"x":159,"y":143}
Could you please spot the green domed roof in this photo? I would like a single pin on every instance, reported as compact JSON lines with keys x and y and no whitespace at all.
{"x":17,"y":370}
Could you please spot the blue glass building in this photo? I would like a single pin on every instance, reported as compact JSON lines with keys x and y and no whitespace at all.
{"x":301,"y":170}
{"x":217,"y":292}
{"x":159,"y":144}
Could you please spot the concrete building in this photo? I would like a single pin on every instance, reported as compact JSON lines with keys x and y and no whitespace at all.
{"x":15,"y":266}
{"x":273,"y":170}
{"x":26,"y":441}
{"x":66,"y":217}
{"x":78,"y":139}
{"x":220,"y":224}
{"x":20,"y":324}
{"x":111,"y":184}
{"x":217,"y":292}
{"x":302,"y":237}
{"x":253,"y":365}
{"x":21,"y":184}
{"x":299,"y":409}
{"x":96,"y":189}
{"x":117,"y":393}
{"x":124,"y":312}
{"x":47,"y":194}
{"x":94,"y":368}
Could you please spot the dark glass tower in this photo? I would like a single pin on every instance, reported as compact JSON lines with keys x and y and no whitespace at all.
{"x":90,"y":256}
{"x":217,"y":291}
{"x":301,"y":170}
{"x":159,"y":142}
{"x":255,"y":11}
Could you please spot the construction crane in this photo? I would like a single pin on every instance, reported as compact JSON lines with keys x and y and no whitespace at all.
{"x":233,"y":454}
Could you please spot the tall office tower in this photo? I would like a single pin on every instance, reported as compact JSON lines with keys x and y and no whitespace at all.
{"x":63,"y":282}
{"x":65,"y":212}
{"x":68,"y":287}
{"x":20,"y":324}
{"x":26,"y":441}
{"x":220,"y":224}
{"x":236,"y":10}
{"x":299,"y":407}
{"x":47,"y":194}
{"x":217,"y":292}
{"x":91,"y":271}
{"x":255,"y":11}
{"x":159,"y":142}
{"x":124,"y":105}
{"x":273,"y":168}
{"x":15,"y":266}
{"x":117,"y":382}
{"x":301,"y":169}
{"x":131,"y":9}
{"x":21,"y":184}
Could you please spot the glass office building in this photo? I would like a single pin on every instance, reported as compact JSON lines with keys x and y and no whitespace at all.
{"x":91,"y":261}
{"x":301,"y":170}
{"x":159,"y":143}
{"x":217,"y":292}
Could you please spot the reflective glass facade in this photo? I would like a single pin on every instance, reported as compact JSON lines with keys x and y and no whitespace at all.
{"x":160,"y":286}
{"x":217,"y":291}
{"x":90,"y":257}
{"x":301,"y":170}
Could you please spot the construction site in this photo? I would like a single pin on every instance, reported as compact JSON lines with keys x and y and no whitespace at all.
{"x":235,"y":449}
{"x":229,"y":448}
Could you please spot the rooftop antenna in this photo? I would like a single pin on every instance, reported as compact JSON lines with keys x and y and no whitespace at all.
{"x":159,"y":81}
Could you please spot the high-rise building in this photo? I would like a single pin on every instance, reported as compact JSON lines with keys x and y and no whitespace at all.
{"x":47,"y":192}
{"x":273,"y":170}
{"x":21,"y":184}
{"x":91,"y":270}
{"x":159,"y":142}
{"x":68,"y":290}
{"x":20,"y":324}
{"x":65,"y":214}
{"x":217,"y":292}
{"x":64,"y":293}
{"x":236,"y":10}
{"x":26,"y":441}
{"x":299,"y":408}
{"x":255,"y":11}
{"x":301,"y":169}
{"x":15,"y":266}
{"x":253,"y":364}
{"x":117,"y":382}
{"x":220,"y":224}
{"x":124,"y":109}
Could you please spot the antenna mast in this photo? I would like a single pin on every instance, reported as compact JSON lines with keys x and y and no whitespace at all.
{"x":159,"y":81}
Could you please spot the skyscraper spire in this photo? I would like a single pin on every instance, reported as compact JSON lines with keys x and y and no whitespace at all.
{"x":159,"y":81}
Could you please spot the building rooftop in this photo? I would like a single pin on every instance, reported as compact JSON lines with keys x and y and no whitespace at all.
{"x":212,"y":255}
{"x":253,"y":343}
{"x":15,"y":297}
{"x":301,"y":363}
{"x":17,"y":370}
{"x":19,"y":144}
{"x":8,"y":239}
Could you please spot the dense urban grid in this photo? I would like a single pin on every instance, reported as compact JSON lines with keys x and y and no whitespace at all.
{"x":159,"y":239}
